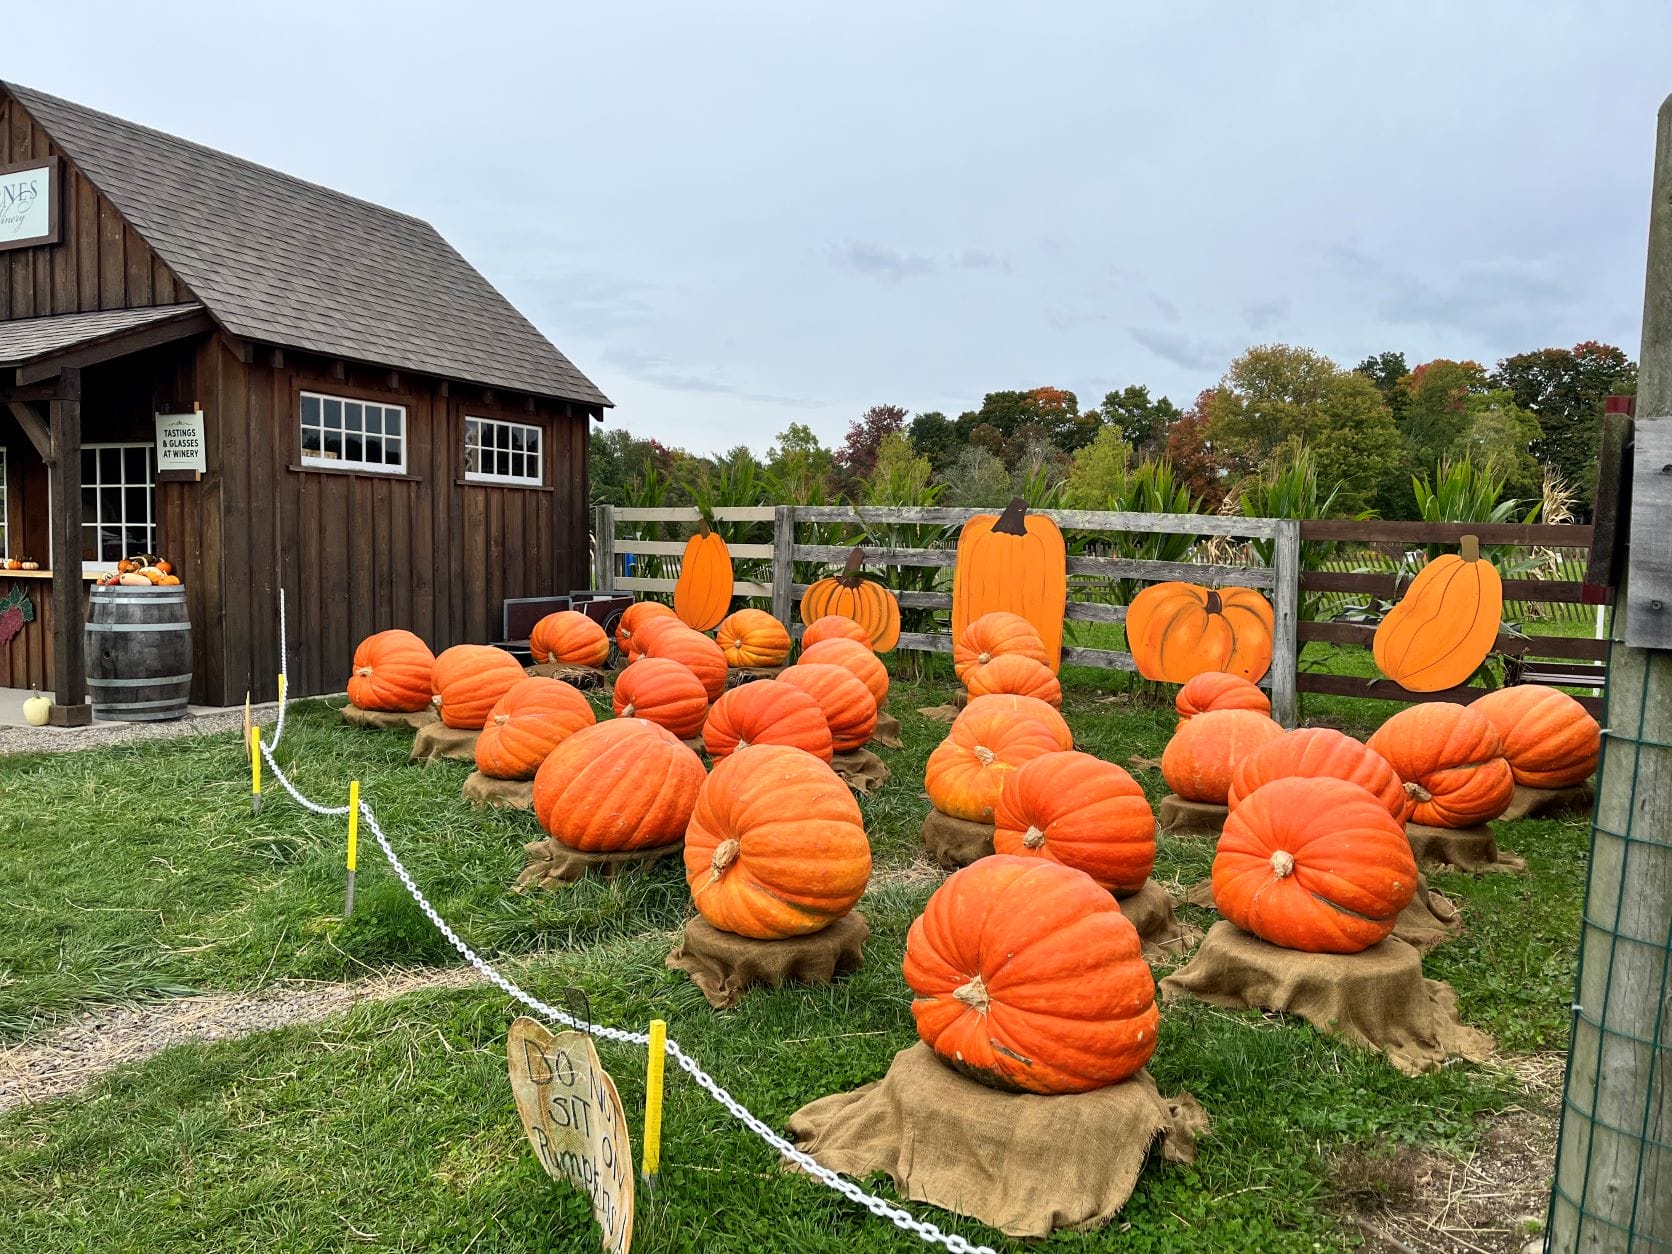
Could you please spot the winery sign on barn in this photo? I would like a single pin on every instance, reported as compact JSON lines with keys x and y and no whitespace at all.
{"x":273,"y":385}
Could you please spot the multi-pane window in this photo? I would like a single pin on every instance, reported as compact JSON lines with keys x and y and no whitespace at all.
{"x":118,"y":502}
{"x":353,"y":435}
{"x":5,"y":531}
{"x":502,"y":452}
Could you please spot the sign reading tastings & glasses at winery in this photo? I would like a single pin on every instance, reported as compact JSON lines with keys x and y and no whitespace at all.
{"x":29,"y":203}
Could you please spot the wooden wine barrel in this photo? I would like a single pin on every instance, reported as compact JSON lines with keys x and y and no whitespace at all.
{"x":139,"y":652}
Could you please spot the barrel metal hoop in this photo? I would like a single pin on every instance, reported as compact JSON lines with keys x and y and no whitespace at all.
{"x":172,"y":703}
{"x":138,"y":683}
{"x":139,"y":626}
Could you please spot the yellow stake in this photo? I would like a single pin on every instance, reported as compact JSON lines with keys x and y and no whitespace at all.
{"x":653,"y":1100}
{"x":353,"y":843}
{"x":255,"y":770}
{"x":281,"y":687}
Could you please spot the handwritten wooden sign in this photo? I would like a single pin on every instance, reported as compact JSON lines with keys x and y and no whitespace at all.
{"x":573,"y":1117}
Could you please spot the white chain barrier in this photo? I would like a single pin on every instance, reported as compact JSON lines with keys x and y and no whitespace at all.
{"x":878,"y":1206}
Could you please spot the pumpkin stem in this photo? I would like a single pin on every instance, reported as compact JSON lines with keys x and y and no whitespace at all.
{"x":984,"y":658}
{"x":1216,"y":603}
{"x":436,"y":701}
{"x":1468,"y":548}
{"x":742,"y":744}
{"x":850,"y":577}
{"x":501,"y":718}
{"x":1283,"y":863}
{"x":984,"y":755}
{"x":363,"y":671}
{"x":1011,"y":522}
{"x":724,"y":856}
{"x":1416,"y":792}
{"x":1033,"y":837}
{"x":627,"y":711}
{"x":974,"y":995}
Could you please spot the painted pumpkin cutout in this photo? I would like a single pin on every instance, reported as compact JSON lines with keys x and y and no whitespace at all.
{"x":1013,"y":561}
{"x":702,"y":594}
{"x":1176,"y":631}
{"x":1446,"y":623}
{"x":851,"y":595}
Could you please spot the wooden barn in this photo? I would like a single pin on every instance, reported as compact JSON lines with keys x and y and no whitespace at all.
{"x":271,"y":384}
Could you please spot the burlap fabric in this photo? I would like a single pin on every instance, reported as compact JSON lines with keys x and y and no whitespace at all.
{"x":725,"y":966}
{"x":939,"y":713}
{"x":1550,"y":803}
{"x":577,"y":676}
{"x":695,"y":745}
{"x":551,"y":863}
{"x":484,"y":790}
{"x":1472,"y":849}
{"x":956,"y":842}
{"x":862,"y":770}
{"x":1377,"y":999}
{"x":749,"y":674}
{"x":1430,"y":918}
{"x":1179,"y":817}
{"x":1019,"y":1162}
{"x":1151,"y":911}
{"x":888,"y":730}
{"x":382,"y":720}
{"x":437,"y":740}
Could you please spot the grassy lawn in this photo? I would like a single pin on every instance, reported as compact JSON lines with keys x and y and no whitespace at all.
{"x":137,"y":873}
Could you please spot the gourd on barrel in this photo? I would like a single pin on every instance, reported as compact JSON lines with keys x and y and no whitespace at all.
{"x":570,"y":638}
{"x":849,"y":709}
{"x":469,"y":679}
{"x":1219,"y":690}
{"x":1445,"y":625}
{"x":967,"y":770}
{"x":1321,"y":753}
{"x":857,"y":659}
{"x":1205,"y":751}
{"x":664,"y":692}
{"x":1015,"y":561}
{"x":752,"y":638}
{"x":1081,"y":811}
{"x":618,"y":786}
{"x":632,"y":621}
{"x":691,"y":649}
{"x":767,"y":713}
{"x":835,"y":627}
{"x":392,"y":673}
{"x":1549,"y":739}
{"x":1177,"y":631}
{"x":1452,"y":762}
{"x":851,"y":595}
{"x":526,"y":724}
{"x":1026,"y":977}
{"x":702,"y":594}
{"x":776,"y":846}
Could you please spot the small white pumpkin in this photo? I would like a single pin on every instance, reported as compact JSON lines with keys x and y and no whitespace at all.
{"x":36,"y":710}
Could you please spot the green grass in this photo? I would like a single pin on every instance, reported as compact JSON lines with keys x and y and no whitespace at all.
{"x":138,"y":872}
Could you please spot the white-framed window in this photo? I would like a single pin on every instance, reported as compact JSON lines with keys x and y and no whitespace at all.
{"x":5,"y":530}
{"x":502,"y":452}
{"x":118,"y":503}
{"x":346,"y":434}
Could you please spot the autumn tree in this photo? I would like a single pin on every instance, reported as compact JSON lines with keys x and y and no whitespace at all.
{"x":1433,"y":409}
{"x":1054,"y":413}
{"x":1143,"y":423}
{"x":798,"y":468}
{"x":1566,"y":388}
{"x":857,"y":457}
{"x":1192,"y":456}
{"x":1385,"y":370}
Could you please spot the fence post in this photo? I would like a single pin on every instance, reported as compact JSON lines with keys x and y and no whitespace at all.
{"x":1285,"y":649}
{"x":783,"y":562}
{"x":603,"y":549}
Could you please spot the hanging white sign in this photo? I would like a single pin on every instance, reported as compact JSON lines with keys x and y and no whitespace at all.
{"x":180,"y":441}
{"x":29,"y":203}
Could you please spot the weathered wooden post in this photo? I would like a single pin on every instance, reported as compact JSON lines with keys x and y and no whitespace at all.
{"x":1613,"y":1186}
{"x":783,"y":562}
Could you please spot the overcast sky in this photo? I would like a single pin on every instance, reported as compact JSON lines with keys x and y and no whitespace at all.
{"x":733,"y":216}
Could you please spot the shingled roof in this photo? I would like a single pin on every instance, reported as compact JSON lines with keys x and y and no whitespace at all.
{"x":287,"y":262}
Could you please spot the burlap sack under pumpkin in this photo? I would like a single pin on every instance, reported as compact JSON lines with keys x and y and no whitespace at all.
{"x":575,"y":676}
{"x":862,"y":770}
{"x":437,"y":740}
{"x":724,"y":966}
{"x":485,"y":790}
{"x":953,"y":843}
{"x":383,"y":720}
{"x":1178,"y":817}
{"x":1151,"y":911}
{"x":1377,"y":999}
{"x":939,"y":713}
{"x":1473,"y":849}
{"x":551,"y":863}
{"x":1430,"y":918}
{"x":1018,"y":1162}
{"x":749,"y":674}
{"x":888,"y":732}
{"x":1550,"y":803}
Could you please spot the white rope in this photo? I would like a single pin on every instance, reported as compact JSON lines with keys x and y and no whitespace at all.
{"x":878,"y":1206}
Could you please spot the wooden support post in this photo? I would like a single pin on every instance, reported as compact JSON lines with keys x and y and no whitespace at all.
{"x":1285,"y":647}
{"x":783,"y":564}
{"x":1613,"y":1185}
{"x":603,"y":549}
{"x":69,"y":595}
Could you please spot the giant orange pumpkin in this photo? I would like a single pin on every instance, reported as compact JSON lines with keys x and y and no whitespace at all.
{"x":1012,"y":673}
{"x":1026,"y":976}
{"x":469,"y":679}
{"x":1314,"y":864}
{"x":1176,"y":631}
{"x":691,"y":649}
{"x":1445,"y":624}
{"x":1013,"y":561}
{"x":966,"y":771}
{"x":1320,"y":753}
{"x":854,"y":657}
{"x":1016,"y":706}
{"x":569,"y":637}
{"x":1549,"y":740}
{"x":767,"y":713}
{"x":666,"y":693}
{"x":1452,"y":762}
{"x":834,"y":627}
{"x":619,"y":785}
{"x":702,"y":594}
{"x":752,"y":638}
{"x":1217,"y":690}
{"x":851,"y":595}
{"x":848,"y":706}
{"x":1205,"y":751}
{"x":776,"y":846}
{"x":392,"y":673}
{"x":1082,"y":812}
{"x":526,"y":724}
{"x":996,"y":635}
{"x":632,"y":619}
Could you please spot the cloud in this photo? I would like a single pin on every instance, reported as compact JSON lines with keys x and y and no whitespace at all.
{"x":1068,"y":319}
{"x":1165,"y":307}
{"x":980,"y":259}
{"x":878,"y":261}
{"x":1187,"y":351}
{"x":1262,"y":315}
{"x":655,"y":370}
{"x":1501,"y":300}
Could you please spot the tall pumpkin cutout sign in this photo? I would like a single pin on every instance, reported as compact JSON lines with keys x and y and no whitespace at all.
{"x":1446,"y":623}
{"x":1014,"y":561}
{"x":702,"y":593}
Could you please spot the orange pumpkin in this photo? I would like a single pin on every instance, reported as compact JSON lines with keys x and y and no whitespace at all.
{"x":702,"y":594}
{"x":1217,"y":690}
{"x":752,"y":638}
{"x":527,"y":723}
{"x":1452,"y":762}
{"x":1445,"y":624}
{"x":1314,"y":864}
{"x":1016,"y":706}
{"x":851,"y":595}
{"x":996,"y":635}
{"x":1026,"y":976}
{"x":469,"y":679}
{"x":1015,"y":674}
{"x":392,"y":672}
{"x":1320,"y":753}
{"x":666,"y":693}
{"x":767,"y":713}
{"x":632,"y":619}
{"x":619,"y":785}
{"x":569,"y":637}
{"x":1176,"y":631}
{"x":1204,"y":752}
{"x":834,"y":627}
{"x":776,"y":846}
{"x":967,"y":770}
{"x":849,"y":709}
{"x":854,"y":657}
{"x":1549,"y":740}
{"x":691,"y":649}
{"x":1082,"y":812}
{"x":1013,"y":561}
